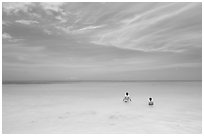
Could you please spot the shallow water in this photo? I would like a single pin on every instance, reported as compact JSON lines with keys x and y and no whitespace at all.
{"x":94,"y":107}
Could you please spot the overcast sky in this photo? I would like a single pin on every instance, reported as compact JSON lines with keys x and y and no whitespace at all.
{"x":102,"y":41}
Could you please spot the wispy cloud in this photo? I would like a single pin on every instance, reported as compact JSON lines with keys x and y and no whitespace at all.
{"x":6,"y":36}
{"x":27,"y":22}
{"x":90,"y":28}
{"x":5,"y":23}
{"x":84,"y":30}
{"x":55,"y":6}
{"x":15,"y":7}
{"x":47,"y":31}
{"x":61,"y":19}
{"x":156,"y":29}
{"x":51,"y":7}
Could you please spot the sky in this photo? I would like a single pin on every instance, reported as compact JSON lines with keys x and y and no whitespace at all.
{"x":101,"y":41}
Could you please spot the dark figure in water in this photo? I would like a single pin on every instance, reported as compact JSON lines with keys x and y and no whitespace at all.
{"x":151,"y":101}
{"x":127,"y":97}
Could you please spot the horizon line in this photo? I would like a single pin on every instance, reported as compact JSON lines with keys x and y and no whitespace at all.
{"x":67,"y":81}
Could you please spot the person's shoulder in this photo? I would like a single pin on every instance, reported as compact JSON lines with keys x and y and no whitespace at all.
{"x":151,"y":103}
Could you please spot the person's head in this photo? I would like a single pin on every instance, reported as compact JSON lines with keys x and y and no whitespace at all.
{"x":150,"y":99}
{"x":126,"y":93}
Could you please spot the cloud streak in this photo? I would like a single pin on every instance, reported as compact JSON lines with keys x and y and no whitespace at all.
{"x":27,"y":22}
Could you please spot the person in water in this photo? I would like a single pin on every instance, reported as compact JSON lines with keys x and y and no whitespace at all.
{"x":151,"y":101}
{"x":127,"y":97}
